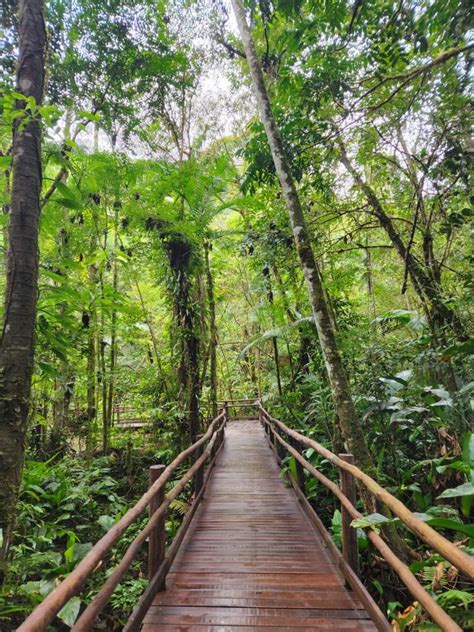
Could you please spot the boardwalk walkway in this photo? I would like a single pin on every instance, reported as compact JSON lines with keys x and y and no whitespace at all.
{"x":251,"y":559}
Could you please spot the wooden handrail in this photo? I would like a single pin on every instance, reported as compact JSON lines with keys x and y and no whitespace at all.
{"x":156,"y":582}
{"x":434,"y":610}
{"x":439,"y":543}
{"x":251,"y":401}
{"x":45,"y":612}
{"x":88,"y":617}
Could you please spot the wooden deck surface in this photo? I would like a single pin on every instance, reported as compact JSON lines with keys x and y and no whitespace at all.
{"x":251,"y":560}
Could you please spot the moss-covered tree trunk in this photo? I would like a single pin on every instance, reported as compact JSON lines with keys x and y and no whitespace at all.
{"x":18,"y":332}
{"x":340,"y":389}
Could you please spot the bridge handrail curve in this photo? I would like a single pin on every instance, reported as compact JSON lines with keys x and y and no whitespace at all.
{"x":434,"y":610}
{"x":444,"y":547}
{"x":45,"y":612}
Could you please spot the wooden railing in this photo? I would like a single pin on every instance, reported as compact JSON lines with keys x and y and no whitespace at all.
{"x":283,"y":440}
{"x":274,"y":429}
{"x":204,"y":450}
{"x":236,"y":407}
{"x":128,"y":418}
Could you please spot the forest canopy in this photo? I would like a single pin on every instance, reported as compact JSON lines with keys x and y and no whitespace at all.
{"x":211,"y":200}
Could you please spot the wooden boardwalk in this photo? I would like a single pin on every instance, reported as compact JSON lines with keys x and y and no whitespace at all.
{"x":251,"y":559}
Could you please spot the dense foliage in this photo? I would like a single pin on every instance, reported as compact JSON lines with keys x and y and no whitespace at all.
{"x":169,"y":278}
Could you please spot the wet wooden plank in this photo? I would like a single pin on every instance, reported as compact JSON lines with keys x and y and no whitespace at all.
{"x":251,"y":559}
{"x":322,"y":625}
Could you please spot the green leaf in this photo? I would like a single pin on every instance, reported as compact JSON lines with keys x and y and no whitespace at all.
{"x":80,"y":550}
{"x":68,"y":203}
{"x":446,"y":523}
{"x":106,"y":522}
{"x":370,"y":521}
{"x":89,"y":116}
{"x":460,"y":596}
{"x":378,"y":586}
{"x":468,"y":449}
{"x":68,"y":614}
{"x":466,"y":489}
{"x":65,"y":190}
{"x":460,"y":349}
{"x":5,"y":162}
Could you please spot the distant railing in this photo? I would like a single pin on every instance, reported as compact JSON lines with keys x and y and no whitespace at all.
{"x":274,"y":428}
{"x":204,"y":449}
{"x":237,"y":408}
{"x":128,"y":418}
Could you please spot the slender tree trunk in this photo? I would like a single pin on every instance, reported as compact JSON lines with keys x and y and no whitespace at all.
{"x":17,"y":338}
{"x":154,"y":340}
{"x":113,"y":330}
{"x":91,"y":325}
{"x":91,"y":385}
{"x":212,"y":331}
{"x":340,"y":389}
{"x":103,"y":374}
{"x":276,"y":355}
{"x":105,"y":429}
{"x":64,"y":384}
{"x":192,"y":347}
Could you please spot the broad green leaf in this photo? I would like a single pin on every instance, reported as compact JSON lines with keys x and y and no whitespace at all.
{"x":466,"y":489}
{"x":106,"y":522}
{"x":370,"y":521}
{"x":68,"y":614}
{"x":69,"y":203}
{"x":447,"y":523}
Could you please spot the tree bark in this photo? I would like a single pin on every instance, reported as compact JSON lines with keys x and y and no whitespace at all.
{"x":276,"y":355}
{"x":340,"y":389}
{"x":212,"y":331}
{"x":17,"y":338}
{"x":113,"y":330}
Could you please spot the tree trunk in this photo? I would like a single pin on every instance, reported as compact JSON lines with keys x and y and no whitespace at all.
{"x":91,"y":384}
{"x":113,"y":330}
{"x":212,"y":332}
{"x":103,"y":373}
{"x":340,"y":389}
{"x":154,"y":340}
{"x":17,"y":341}
{"x":192,"y":348}
{"x":276,"y":355}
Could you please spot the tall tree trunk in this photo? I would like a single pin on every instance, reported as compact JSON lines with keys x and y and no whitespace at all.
{"x":212,"y":332}
{"x":90,"y":322}
{"x":91,"y":383}
{"x":340,"y":389}
{"x":113,"y":330}
{"x":64,"y":383}
{"x":103,"y":372}
{"x":194,"y":384}
{"x":180,"y":256}
{"x":276,"y":355}
{"x":17,"y":338}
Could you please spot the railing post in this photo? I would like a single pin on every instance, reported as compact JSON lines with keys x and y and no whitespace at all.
{"x":199,"y":476}
{"x":157,"y":538}
{"x":349,"y":534}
